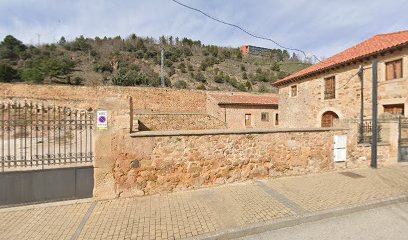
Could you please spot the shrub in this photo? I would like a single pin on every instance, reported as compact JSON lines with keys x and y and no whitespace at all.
{"x":182,"y":67}
{"x":243,"y":68}
{"x":7,"y":73}
{"x":219,"y":78}
{"x":200,"y":77}
{"x":275,"y":67}
{"x":244,"y":75}
{"x":32,"y":75}
{"x":263,"y":89}
{"x":201,"y":87}
{"x":103,"y":67}
{"x":180,"y":84}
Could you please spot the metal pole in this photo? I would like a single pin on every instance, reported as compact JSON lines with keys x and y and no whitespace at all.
{"x":162,"y":68}
{"x":361,"y":75}
{"x":375,"y":115}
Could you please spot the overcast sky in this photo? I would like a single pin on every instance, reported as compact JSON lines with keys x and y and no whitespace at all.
{"x":321,"y":27}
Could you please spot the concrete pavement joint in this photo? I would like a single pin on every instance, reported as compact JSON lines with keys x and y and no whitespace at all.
{"x":83,"y":222}
{"x":281,"y":198}
{"x":257,"y":228}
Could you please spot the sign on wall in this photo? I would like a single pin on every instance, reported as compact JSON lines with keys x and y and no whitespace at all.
{"x":102,"y":120}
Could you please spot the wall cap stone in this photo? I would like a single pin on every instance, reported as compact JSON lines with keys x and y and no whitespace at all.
{"x":228,"y":132}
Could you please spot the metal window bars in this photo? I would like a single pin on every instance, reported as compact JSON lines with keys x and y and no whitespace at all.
{"x":36,"y":136}
{"x":366,"y":132}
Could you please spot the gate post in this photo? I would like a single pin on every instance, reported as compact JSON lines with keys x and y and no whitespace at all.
{"x":390,"y":135}
{"x":119,"y":120}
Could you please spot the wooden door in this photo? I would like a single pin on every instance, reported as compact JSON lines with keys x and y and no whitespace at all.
{"x":248,"y":120}
{"x":328,"y":119}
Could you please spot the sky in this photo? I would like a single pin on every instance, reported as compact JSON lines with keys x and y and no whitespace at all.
{"x":319,"y":27}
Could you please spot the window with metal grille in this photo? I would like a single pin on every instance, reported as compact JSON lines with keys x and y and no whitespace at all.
{"x":265,"y":117}
{"x":329,"y":88}
{"x":293,"y":91}
{"x":393,"y":69}
{"x":395,"y":109}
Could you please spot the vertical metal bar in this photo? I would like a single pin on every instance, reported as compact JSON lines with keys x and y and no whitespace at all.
{"x":59,"y":135}
{"x":36,"y":135}
{"x":65,"y":135}
{"x":3,"y":136}
{"x":15,"y":133}
{"x":70,"y":135}
{"x":80,"y":136}
{"x":42,"y":135}
{"x":8,"y":133}
{"x":25,"y":134}
{"x":31,"y":134}
{"x":90,"y":135}
{"x":49,"y":135}
{"x":399,"y":138}
{"x":375,"y":115}
{"x":76,"y":136}
{"x":361,"y":75}
{"x":54,"y":133}
{"x":86,"y":135}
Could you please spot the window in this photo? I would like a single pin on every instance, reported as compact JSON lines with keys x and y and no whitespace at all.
{"x":276,"y":119}
{"x":293,"y":91}
{"x":328,"y":119}
{"x":393,"y":69}
{"x":265,"y":117}
{"x":395,"y":109}
{"x":248,"y":120}
{"x":329,"y":88}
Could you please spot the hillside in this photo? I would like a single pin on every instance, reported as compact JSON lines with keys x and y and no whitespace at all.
{"x":135,"y":61}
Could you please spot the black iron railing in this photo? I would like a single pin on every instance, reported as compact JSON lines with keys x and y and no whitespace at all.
{"x":33,"y":135}
{"x":366,"y":132}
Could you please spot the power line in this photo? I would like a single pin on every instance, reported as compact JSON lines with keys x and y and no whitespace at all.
{"x":244,"y":30}
{"x":351,"y":77}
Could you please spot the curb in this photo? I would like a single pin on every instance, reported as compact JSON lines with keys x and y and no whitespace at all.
{"x":257,"y":228}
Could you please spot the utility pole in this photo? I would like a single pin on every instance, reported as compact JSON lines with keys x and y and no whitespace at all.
{"x":162,"y":68}
{"x":361,"y":75}
{"x":38,"y":38}
{"x":375,"y":116}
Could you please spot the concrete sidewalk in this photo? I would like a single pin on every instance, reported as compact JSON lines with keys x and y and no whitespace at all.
{"x":219,"y":212}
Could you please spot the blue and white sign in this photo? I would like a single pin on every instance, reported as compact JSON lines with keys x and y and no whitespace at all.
{"x":102,"y":120}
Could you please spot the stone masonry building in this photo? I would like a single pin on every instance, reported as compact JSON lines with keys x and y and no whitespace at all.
{"x":320,"y":95}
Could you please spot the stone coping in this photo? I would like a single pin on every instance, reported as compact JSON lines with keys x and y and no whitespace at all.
{"x":168,"y":113}
{"x":228,"y":131}
{"x":369,"y":144}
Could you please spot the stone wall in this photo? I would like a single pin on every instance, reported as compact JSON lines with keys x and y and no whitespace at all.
{"x":176,"y":121}
{"x":154,"y":162}
{"x":307,"y":108}
{"x":144,"y":99}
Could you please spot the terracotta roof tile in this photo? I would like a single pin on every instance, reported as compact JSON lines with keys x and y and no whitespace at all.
{"x":374,"y":45}
{"x":248,"y":100}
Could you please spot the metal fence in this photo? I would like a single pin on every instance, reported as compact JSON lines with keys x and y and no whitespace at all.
{"x":366,"y":132}
{"x":34,"y":135}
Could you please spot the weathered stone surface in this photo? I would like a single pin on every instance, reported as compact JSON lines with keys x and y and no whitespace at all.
{"x":185,"y":162}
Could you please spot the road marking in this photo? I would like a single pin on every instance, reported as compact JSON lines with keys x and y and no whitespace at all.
{"x":83,"y":222}
{"x":282,"y":198}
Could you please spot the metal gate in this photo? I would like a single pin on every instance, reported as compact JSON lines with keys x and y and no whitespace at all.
{"x":48,"y":148}
{"x":403,"y":139}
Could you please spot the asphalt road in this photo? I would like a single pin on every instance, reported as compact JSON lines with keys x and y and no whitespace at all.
{"x":389,"y":222}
